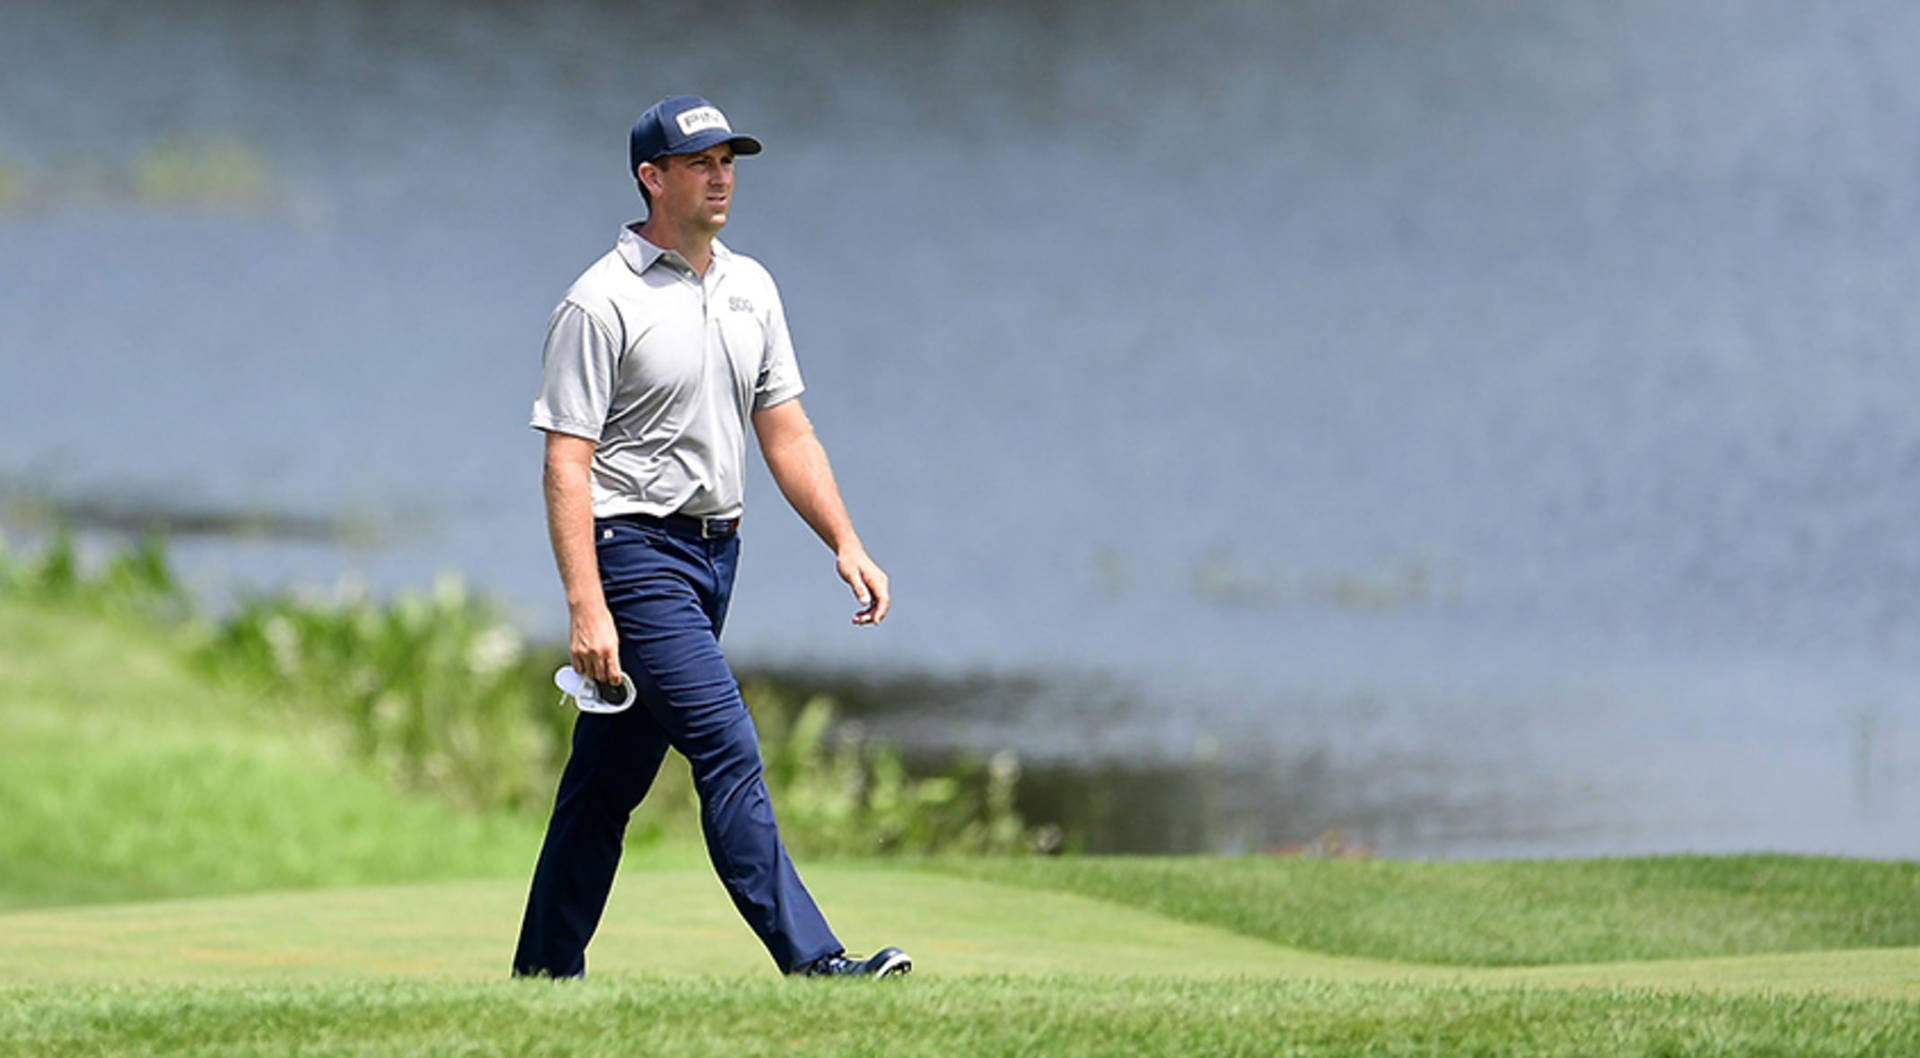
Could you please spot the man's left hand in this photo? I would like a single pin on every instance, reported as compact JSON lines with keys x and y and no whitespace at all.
{"x":869,"y":584}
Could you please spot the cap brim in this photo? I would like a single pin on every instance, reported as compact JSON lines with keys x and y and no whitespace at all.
{"x":700,"y":142}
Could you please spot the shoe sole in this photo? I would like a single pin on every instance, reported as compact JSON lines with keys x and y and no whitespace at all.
{"x":900,"y":965}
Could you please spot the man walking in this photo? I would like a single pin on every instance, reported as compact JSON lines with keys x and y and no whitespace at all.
{"x":656,"y":360}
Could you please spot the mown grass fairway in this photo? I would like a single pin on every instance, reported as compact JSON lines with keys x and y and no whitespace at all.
{"x":671,"y":922}
{"x":1508,"y":914}
{"x":956,"y":1016}
{"x":1003,"y":970}
{"x":186,"y":871}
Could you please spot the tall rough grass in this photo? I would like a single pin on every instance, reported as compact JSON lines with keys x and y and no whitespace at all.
{"x":439,"y":692}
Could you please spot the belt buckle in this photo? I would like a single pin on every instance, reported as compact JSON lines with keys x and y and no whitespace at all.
{"x":708,"y":525}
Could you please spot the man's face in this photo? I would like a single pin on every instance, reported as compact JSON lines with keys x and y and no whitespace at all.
{"x":695,"y":189}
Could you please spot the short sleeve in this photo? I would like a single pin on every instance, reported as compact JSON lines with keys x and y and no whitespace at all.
{"x":779,"y":379}
{"x":578,"y":369}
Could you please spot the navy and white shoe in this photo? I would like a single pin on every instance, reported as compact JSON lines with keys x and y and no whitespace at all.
{"x":888,"y":962}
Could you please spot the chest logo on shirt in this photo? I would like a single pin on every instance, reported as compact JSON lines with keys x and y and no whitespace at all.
{"x":739,"y":304}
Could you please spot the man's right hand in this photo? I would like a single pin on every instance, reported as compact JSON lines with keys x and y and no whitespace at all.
{"x":595,"y":644}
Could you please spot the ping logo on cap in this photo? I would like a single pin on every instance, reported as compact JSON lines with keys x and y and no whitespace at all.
{"x":699,"y":119}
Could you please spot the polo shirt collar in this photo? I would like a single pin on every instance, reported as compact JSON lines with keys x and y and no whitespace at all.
{"x":641,"y":254}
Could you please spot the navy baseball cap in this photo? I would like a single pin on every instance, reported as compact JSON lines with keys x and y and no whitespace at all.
{"x":682,"y":125}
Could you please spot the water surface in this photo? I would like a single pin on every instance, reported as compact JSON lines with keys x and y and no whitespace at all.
{"x":1483,"y":427}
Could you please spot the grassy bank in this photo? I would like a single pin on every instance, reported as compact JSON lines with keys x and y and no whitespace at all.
{"x":129,"y":776}
{"x":436,"y":692}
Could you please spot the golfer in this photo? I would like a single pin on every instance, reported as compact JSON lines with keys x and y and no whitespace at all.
{"x":656,"y":359}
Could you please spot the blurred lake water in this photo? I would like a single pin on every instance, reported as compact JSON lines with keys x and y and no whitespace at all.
{"x":1485,"y":428}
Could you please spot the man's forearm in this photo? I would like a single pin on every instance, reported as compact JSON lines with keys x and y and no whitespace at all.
{"x":799,"y":466}
{"x":592,"y":639}
{"x":570,"y":527}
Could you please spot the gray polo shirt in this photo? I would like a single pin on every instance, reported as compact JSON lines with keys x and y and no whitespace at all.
{"x":663,"y":368}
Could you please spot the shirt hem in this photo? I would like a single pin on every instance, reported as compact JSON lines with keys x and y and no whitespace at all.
{"x":775,"y":398}
{"x":565,"y":426}
{"x":617,"y":509}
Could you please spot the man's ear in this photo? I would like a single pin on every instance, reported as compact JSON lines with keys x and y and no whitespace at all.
{"x":648,"y":174}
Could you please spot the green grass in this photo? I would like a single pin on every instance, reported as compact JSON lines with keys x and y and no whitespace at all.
{"x":185,"y":870}
{"x":1002,"y":970}
{"x":659,"y":921}
{"x":128,"y":777}
{"x":676,"y":920}
{"x":1508,"y":914}
{"x":966,"y":1016}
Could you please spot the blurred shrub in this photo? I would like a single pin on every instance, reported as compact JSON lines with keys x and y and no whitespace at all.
{"x":440,"y":693}
{"x":136,"y":580}
{"x":210,"y":173}
{"x":838,"y":792}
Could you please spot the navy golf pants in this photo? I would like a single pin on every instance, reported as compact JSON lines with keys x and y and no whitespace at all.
{"x":668,"y":590}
